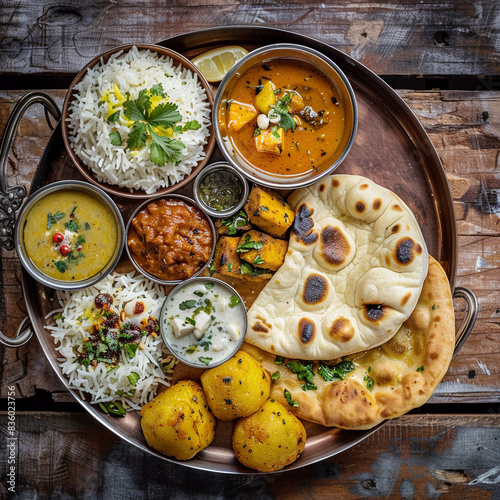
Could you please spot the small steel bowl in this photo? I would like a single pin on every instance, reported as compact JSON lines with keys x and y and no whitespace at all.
{"x":164,"y":317}
{"x":220,"y":166}
{"x":293,"y":52}
{"x":30,"y":267}
{"x":178,"y":59}
{"x":152,"y":277}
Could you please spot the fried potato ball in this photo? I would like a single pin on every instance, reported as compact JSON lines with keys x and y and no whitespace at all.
{"x":236,"y":388}
{"x":178,"y":422}
{"x":270,"y":439}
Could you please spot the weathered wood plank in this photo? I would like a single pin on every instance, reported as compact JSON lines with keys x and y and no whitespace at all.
{"x":71,"y":455}
{"x":392,"y":38}
{"x":479,"y":262}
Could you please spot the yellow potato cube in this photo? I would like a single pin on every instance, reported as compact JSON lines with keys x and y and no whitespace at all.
{"x":266,"y":97}
{"x":239,"y":115}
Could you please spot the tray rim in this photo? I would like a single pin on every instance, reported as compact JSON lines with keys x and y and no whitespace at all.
{"x":417,"y":128}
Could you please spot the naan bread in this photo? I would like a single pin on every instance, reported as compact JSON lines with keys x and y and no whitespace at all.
{"x":404,"y":371}
{"x":353,"y":272}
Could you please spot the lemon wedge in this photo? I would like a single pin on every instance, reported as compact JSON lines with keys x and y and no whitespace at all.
{"x":215,"y":63}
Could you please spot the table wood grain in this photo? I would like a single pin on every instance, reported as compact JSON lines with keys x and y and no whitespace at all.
{"x":447,"y":449}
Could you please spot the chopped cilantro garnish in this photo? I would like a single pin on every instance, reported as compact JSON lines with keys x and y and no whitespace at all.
{"x":335,"y":372}
{"x":234,"y":301}
{"x":52,"y":219}
{"x":131,"y":349}
{"x":420,"y":368}
{"x":249,"y":245}
{"x":205,"y":361}
{"x":60,"y":265}
{"x":303,"y":372}
{"x":133,"y":378}
{"x":276,"y":375}
{"x":72,"y":226}
{"x":289,"y":400}
{"x":115,"y":138}
{"x":112,"y":119}
{"x":187,"y":304}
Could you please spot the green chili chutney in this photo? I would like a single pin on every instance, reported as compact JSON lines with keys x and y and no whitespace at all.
{"x":220,"y":190}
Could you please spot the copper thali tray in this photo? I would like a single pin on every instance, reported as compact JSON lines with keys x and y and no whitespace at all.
{"x":391,"y":148}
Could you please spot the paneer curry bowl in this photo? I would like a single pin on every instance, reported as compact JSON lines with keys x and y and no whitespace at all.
{"x":285,"y":116}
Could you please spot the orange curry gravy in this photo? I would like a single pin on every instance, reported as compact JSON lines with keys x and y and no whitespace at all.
{"x":170,"y":239}
{"x":310,"y":146}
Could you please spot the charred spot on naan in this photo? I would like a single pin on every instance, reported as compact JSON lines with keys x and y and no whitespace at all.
{"x":406,"y":251}
{"x":334,"y":245}
{"x":261,"y":326}
{"x":315,"y":289}
{"x":303,"y":226}
{"x":306,"y":330}
{"x":341,"y":329}
{"x":374,"y":312}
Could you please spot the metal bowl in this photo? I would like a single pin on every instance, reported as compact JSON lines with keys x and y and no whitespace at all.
{"x":152,"y":277}
{"x":220,"y":166}
{"x":79,"y":162}
{"x":164,"y":317}
{"x":325,"y":66}
{"x":19,"y":235}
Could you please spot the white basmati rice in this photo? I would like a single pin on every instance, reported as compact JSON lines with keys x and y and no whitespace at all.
{"x":132,"y":72}
{"x":152,"y":362}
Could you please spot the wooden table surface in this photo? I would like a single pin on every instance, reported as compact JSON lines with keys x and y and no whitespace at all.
{"x":444,"y":60}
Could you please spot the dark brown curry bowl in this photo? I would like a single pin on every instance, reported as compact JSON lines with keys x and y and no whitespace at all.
{"x":342,"y":95}
{"x":186,"y":240}
{"x":178,"y":59}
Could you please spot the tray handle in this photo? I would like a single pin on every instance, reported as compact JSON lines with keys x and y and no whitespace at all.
{"x":23,"y":335}
{"x":470,"y":317}
{"x":11,"y":198}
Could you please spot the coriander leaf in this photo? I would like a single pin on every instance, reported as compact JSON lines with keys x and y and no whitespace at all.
{"x":234,"y":301}
{"x":289,"y":400}
{"x":205,"y":360}
{"x":275,"y":376}
{"x":52,"y":219}
{"x":130,"y":350}
{"x":335,"y":372}
{"x":115,"y":138}
{"x":198,"y":293}
{"x":191,"y":321}
{"x":303,"y":372}
{"x":282,"y":104}
{"x":80,"y":240}
{"x":274,"y":131}
{"x":257,"y":132}
{"x":163,"y":149}
{"x":247,"y":268}
{"x":112,"y":118}
{"x":133,"y":378}
{"x":61,"y":265}
{"x":258,"y":260}
{"x":157,"y":90}
{"x":209,"y":286}
{"x":249,"y":245}
{"x":137,"y":137}
{"x":187,"y":304}
{"x":192,"y":125}
{"x":72,"y":226}
{"x":279,"y":360}
{"x":287,"y":122}
{"x":165,"y":115}
{"x":235,"y":222}
{"x":137,"y":110}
